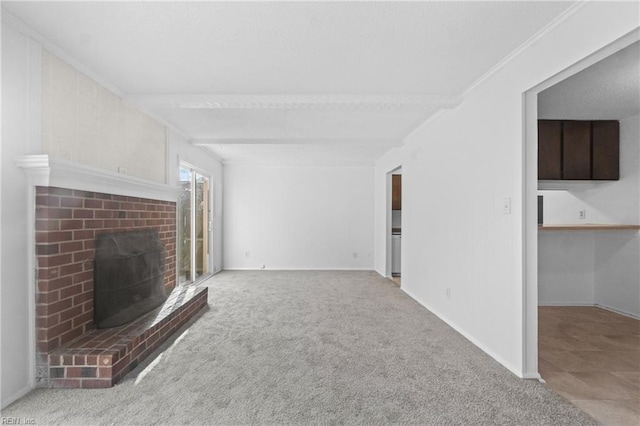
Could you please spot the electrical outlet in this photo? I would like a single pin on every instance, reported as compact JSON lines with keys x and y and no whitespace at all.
{"x":582,"y":214}
{"x":246,"y":253}
{"x":448,"y":293}
{"x":355,"y":254}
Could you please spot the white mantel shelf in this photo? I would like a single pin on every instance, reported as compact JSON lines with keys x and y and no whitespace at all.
{"x":43,"y":170}
{"x":589,"y":227}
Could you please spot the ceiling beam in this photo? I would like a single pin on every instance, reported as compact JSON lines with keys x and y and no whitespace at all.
{"x":312,"y":102}
{"x":298,"y":141}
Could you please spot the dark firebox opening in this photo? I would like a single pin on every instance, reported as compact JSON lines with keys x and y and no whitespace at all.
{"x":128,"y":276}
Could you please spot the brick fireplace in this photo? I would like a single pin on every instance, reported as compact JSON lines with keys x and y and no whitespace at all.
{"x":67,"y":224}
{"x":69,"y":350}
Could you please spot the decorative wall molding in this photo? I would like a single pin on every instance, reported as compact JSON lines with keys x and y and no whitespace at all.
{"x":43,"y":170}
{"x":297,"y":102}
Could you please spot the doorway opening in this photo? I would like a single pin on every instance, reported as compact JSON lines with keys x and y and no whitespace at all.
{"x":194,"y":225}
{"x":393,"y":230}
{"x":562,"y":207}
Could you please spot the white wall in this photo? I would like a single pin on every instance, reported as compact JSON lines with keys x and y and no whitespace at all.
{"x":595,"y":267}
{"x":617,"y":272}
{"x":181,"y":150}
{"x":566,"y":268}
{"x":298,"y":217}
{"x":458,"y":168}
{"x":87,"y":123}
{"x":590,"y":268}
{"x":14,"y":340}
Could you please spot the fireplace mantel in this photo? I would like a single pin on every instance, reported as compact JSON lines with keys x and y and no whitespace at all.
{"x":44,"y":170}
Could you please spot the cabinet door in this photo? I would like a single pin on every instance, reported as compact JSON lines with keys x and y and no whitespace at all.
{"x":549,"y":149}
{"x":396,"y":192}
{"x":576,"y":150}
{"x":605,"y":137}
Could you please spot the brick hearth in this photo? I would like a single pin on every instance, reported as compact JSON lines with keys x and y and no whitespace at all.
{"x":102,"y":357}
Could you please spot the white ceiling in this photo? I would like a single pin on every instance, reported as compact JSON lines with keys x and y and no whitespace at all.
{"x":607,"y":90}
{"x":289,"y":81}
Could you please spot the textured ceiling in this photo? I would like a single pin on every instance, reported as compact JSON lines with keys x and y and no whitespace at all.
{"x":607,"y":90}
{"x":323,"y":75}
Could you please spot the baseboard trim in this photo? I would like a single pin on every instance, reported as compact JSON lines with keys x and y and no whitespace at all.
{"x":17,"y":395}
{"x":467,"y":336}
{"x":596,"y":305}
{"x":618,"y":311}
{"x":298,"y":269}
{"x":532,"y":376}
{"x":565,"y":304}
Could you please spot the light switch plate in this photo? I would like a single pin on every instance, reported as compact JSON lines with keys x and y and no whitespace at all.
{"x":506,"y":205}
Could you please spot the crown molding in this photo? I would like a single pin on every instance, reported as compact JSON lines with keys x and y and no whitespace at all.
{"x":43,"y":170}
{"x":429,"y":119}
{"x":295,"y":102}
{"x":16,"y":23}
{"x":206,"y":151}
{"x":571,"y":10}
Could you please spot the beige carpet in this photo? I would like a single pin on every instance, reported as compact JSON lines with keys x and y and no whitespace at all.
{"x":310,"y":348}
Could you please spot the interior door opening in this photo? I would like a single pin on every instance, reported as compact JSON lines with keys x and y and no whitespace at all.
{"x":393,"y":229}
{"x":396,"y":226}
{"x":583,"y":272}
{"x":534,"y":293}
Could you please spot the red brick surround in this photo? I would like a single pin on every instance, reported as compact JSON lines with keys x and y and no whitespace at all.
{"x":67,"y":223}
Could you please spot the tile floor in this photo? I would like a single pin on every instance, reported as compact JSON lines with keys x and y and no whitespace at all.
{"x":591,"y":356}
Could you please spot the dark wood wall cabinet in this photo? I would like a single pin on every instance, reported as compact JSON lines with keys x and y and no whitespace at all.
{"x":396,"y":192}
{"x":549,"y":149}
{"x":578,"y":150}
